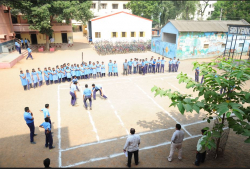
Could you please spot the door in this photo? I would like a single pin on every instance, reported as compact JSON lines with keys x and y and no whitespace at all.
{"x":80,"y":28}
{"x":64,"y":38}
{"x":33,"y":39}
{"x":18,"y":36}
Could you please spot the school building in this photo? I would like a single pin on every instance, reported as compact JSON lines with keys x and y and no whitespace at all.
{"x":120,"y":26}
{"x":62,"y":31}
{"x":198,"y":39}
{"x":6,"y":28}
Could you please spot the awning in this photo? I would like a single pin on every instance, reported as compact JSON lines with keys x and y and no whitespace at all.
{"x":3,"y":36}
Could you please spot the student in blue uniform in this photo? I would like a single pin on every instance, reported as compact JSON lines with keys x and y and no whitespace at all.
{"x":18,"y":47}
{"x":153,"y":66}
{"x":82,"y":71}
{"x":46,"y":113}
{"x":90,"y":69}
{"x":197,"y":72}
{"x":26,"y":43}
{"x":94,"y":70}
{"x":110,"y":65}
{"x":98,"y":69}
{"x":73,"y":72}
{"x":177,"y":65}
{"x":170,"y":62}
{"x":40,"y":75}
{"x":46,"y":76}
{"x":95,"y":89}
{"x":50,"y":75}
{"x":87,"y":94}
{"x":58,"y":72}
{"x":23,"y":80}
{"x":62,"y":73}
{"x":22,"y":43}
{"x":29,"y":80}
{"x":86,"y":71}
{"x":158,"y":63}
{"x":75,"y":80}
{"x":49,"y":139}
{"x":55,"y":76}
{"x":162,"y":64}
{"x":115,"y":69}
{"x":143,"y":66}
{"x":137,"y":67}
{"x":68,"y":74}
{"x":134,"y":66}
{"x":146,"y":65}
{"x":103,"y":69}
{"x":174,"y":64}
{"x":78,"y":73}
{"x":29,"y":53}
{"x":28,"y":117}
{"x":150,"y":65}
{"x":73,"y":93}
{"x":130,"y":63}
{"x":35,"y":77}
{"x":140,"y":69}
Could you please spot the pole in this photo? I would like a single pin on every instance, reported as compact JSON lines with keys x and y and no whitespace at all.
{"x":234,"y":46}
{"x":82,"y":57}
{"x":220,"y":13}
{"x":242,"y":47}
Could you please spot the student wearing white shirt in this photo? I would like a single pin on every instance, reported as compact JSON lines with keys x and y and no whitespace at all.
{"x":176,"y":142}
{"x":73,"y":93}
{"x":174,"y":65}
{"x":201,"y":151}
{"x":132,"y":146}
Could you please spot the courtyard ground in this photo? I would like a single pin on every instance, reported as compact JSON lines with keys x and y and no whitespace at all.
{"x":95,"y":138}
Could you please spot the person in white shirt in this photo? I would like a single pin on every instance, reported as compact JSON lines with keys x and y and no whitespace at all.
{"x":176,"y":142}
{"x":201,"y":151}
{"x":73,"y":93}
{"x":132,"y":147}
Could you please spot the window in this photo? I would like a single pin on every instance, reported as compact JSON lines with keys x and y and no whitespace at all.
{"x":124,"y":34}
{"x":132,"y":34}
{"x":169,"y":37}
{"x":103,"y":6}
{"x":97,"y":34}
{"x":93,"y":6}
{"x":141,"y":34}
{"x":124,"y":6}
{"x":113,"y":34}
{"x":210,"y":6}
{"x":114,"y":6}
{"x":206,"y":46}
{"x":241,"y":45}
{"x":223,"y":45}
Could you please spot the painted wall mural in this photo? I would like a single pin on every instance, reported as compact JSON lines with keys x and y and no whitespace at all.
{"x":197,"y":45}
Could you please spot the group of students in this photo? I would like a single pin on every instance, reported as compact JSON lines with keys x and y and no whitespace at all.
{"x":144,"y":66}
{"x":29,"y":118}
{"x":18,"y":48}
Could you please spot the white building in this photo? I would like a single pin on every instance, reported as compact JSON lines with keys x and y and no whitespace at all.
{"x":208,"y":11}
{"x":120,"y":26}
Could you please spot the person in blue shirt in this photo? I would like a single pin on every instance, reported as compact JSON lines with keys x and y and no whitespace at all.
{"x":63,"y":73}
{"x":197,"y":72}
{"x":140,"y":69}
{"x":103,"y":69}
{"x":170,"y":62}
{"x":29,"y":79}
{"x":58,"y":71}
{"x":18,"y":47}
{"x":158,"y":63}
{"x":26,"y":43}
{"x":90,"y":69}
{"x":73,"y":93}
{"x":40,"y":75}
{"x":153,"y":66}
{"x":68,"y":74}
{"x":146,"y":65}
{"x":75,"y":80}
{"x":29,"y":53}
{"x":50,"y":75}
{"x":87,"y":94}
{"x":134,"y":65}
{"x":174,"y":64}
{"x":28,"y":117}
{"x":143,"y":67}
{"x":55,"y":76}
{"x":35,"y":77}
{"x":23,"y":80}
{"x":49,"y":139}
{"x":115,"y":69}
{"x":110,"y":65}
{"x":22,"y":43}
{"x":130,"y":66}
{"x":94,"y":70}
{"x":72,"y":68}
{"x":46,"y":113}
{"x":162,"y":64}
{"x":82,"y":71}
{"x":86,"y":71}
{"x":78,"y":73}
{"x":150,"y":66}
{"x":95,"y":88}
{"x":46,"y":76}
{"x":98,"y":69}
{"x":137,"y":67}
{"x":177,"y":65}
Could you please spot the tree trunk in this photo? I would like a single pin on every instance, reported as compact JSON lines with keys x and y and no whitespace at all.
{"x":47,"y":42}
{"x":218,"y":141}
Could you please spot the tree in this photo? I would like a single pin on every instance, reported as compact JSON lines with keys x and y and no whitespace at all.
{"x":41,"y":13}
{"x":235,"y":100}
{"x":232,"y":10}
{"x":189,"y":9}
{"x":202,"y":7}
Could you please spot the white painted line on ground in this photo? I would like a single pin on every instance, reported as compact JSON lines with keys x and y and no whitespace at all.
{"x":59,"y":128}
{"x":173,"y":86}
{"x":120,"y":154}
{"x":112,"y":106}
{"x":93,"y":124}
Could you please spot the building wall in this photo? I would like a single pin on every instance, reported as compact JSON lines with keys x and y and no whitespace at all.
{"x":25,"y":35}
{"x":121,"y":23}
{"x":58,"y":37}
{"x":164,"y":48}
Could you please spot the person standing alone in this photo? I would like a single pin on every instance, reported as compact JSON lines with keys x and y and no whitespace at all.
{"x":132,"y":147}
{"x":28,"y":117}
{"x":176,"y":142}
{"x":201,"y":151}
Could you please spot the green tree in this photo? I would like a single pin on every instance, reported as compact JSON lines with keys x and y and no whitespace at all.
{"x":41,"y":13}
{"x":232,"y":77}
{"x":189,"y":9}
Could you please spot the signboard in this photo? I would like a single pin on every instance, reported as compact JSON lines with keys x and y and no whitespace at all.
{"x":239,"y":30}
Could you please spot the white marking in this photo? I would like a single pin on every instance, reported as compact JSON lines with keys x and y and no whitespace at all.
{"x":93,"y":124}
{"x":112,"y":106}
{"x":59,"y":127}
{"x":173,"y":86}
{"x":120,"y":154}
{"x":161,"y":78}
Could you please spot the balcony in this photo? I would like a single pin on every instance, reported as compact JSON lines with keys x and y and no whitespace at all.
{"x":57,"y":27}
